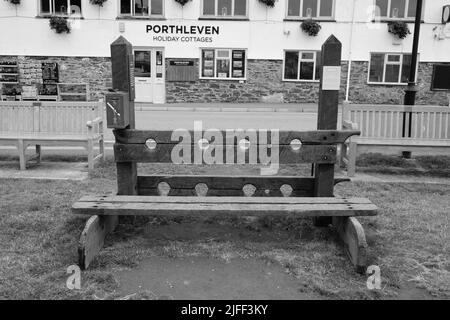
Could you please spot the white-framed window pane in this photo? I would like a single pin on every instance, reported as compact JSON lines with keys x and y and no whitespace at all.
{"x":309,"y":8}
{"x":307,"y":70}
{"x":412,"y":6}
{"x":142,"y":65}
{"x":224,"y":7}
{"x":157,"y":7}
{"x":209,"y":7}
{"x":294,"y":8}
{"x":208,"y":58}
{"x":238,"y":64}
{"x":406,"y":68}
{"x":291,"y":65}
{"x":392,"y":73}
{"x":240,"y":7}
{"x":61,"y":7}
{"x":318,"y":64}
{"x":223,"y":68}
{"x":223,"y":53}
{"x":376,"y":67}
{"x":75,"y":7}
{"x":125,"y":6}
{"x":394,"y":58}
{"x":326,"y":8}
{"x":45,"y":6}
{"x":398,"y":8}
{"x":382,"y":7}
{"x":307,"y":55}
{"x":141,"y":7}
{"x":223,"y":63}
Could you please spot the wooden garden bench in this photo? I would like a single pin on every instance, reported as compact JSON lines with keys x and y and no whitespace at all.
{"x":209,"y":196}
{"x":388,"y":129}
{"x":24,"y":124}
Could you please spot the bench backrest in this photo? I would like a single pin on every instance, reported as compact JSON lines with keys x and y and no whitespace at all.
{"x":59,"y":118}
{"x":386,"y":121}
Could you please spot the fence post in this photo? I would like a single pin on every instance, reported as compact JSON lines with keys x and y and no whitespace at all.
{"x":123,"y":80}
{"x":330,"y":76}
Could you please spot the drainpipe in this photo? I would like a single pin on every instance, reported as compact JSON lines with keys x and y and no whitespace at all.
{"x":347,"y":90}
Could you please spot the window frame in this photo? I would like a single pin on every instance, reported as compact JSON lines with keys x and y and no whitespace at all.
{"x":406,"y":18}
{"x":315,"y":52}
{"x":218,"y":17}
{"x":201,"y":77}
{"x":385,"y":62}
{"x":52,"y":9}
{"x":135,"y":16}
{"x":318,"y":18}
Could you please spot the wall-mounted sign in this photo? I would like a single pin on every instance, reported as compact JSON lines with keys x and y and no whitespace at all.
{"x":182,"y":63}
{"x":182,"y":70}
{"x":177,"y":33}
{"x":331,"y":79}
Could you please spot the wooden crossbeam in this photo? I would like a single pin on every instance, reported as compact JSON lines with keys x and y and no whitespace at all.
{"x":213,"y":206}
{"x":163,"y":154}
{"x":325,"y":137}
{"x":184,"y":185}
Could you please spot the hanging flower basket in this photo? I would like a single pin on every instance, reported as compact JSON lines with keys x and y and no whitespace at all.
{"x":98,"y":2}
{"x":16,"y":2}
{"x":269,"y":3}
{"x":182,"y":2}
{"x":311,"y":27}
{"x":59,"y":24}
{"x":399,"y":29}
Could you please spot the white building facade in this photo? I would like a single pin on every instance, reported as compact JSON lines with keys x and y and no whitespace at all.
{"x":226,"y":50}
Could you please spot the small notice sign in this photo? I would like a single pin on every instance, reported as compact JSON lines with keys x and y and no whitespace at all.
{"x":331,"y":79}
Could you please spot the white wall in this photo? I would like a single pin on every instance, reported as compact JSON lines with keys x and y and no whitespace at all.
{"x":265,"y":35}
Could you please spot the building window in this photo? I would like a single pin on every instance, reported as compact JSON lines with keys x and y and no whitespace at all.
{"x":224,"y":8}
{"x":223,"y":64}
{"x":389,"y":68}
{"x":301,"y":66}
{"x":310,"y":9}
{"x":396,"y":9}
{"x":60,"y":7}
{"x":141,"y":8}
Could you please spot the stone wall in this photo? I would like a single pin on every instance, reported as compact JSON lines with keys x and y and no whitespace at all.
{"x":94,"y":71}
{"x":361,"y":92}
{"x":264,"y":84}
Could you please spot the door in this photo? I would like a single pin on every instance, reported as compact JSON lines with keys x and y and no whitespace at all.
{"x":149,"y":73}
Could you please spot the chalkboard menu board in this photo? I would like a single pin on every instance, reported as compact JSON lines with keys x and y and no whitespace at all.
{"x":50,"y":77}
{"x":50,"y":72}
{"x":441,"y":77}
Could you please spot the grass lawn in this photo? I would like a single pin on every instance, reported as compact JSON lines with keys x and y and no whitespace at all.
{"x":409,"y":240}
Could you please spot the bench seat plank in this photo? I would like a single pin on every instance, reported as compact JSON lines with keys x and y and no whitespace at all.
{"x":210,"y":206}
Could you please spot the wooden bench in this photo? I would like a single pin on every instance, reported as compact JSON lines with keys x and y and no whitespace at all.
{"x":210,"y":196}
{"x":23,"y":124}
{"x":388,"y":129}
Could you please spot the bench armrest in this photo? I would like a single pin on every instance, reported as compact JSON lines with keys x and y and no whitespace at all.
{"x":348,"y":125}
{"x":95,"y":126}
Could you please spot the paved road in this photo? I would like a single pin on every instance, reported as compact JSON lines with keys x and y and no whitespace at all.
{"x":170,"y":120}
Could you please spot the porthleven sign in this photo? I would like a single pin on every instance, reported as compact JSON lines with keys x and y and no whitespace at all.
{"x":177,"y":33}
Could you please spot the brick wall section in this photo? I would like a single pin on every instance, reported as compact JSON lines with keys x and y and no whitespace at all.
{"x":95,"y":71}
